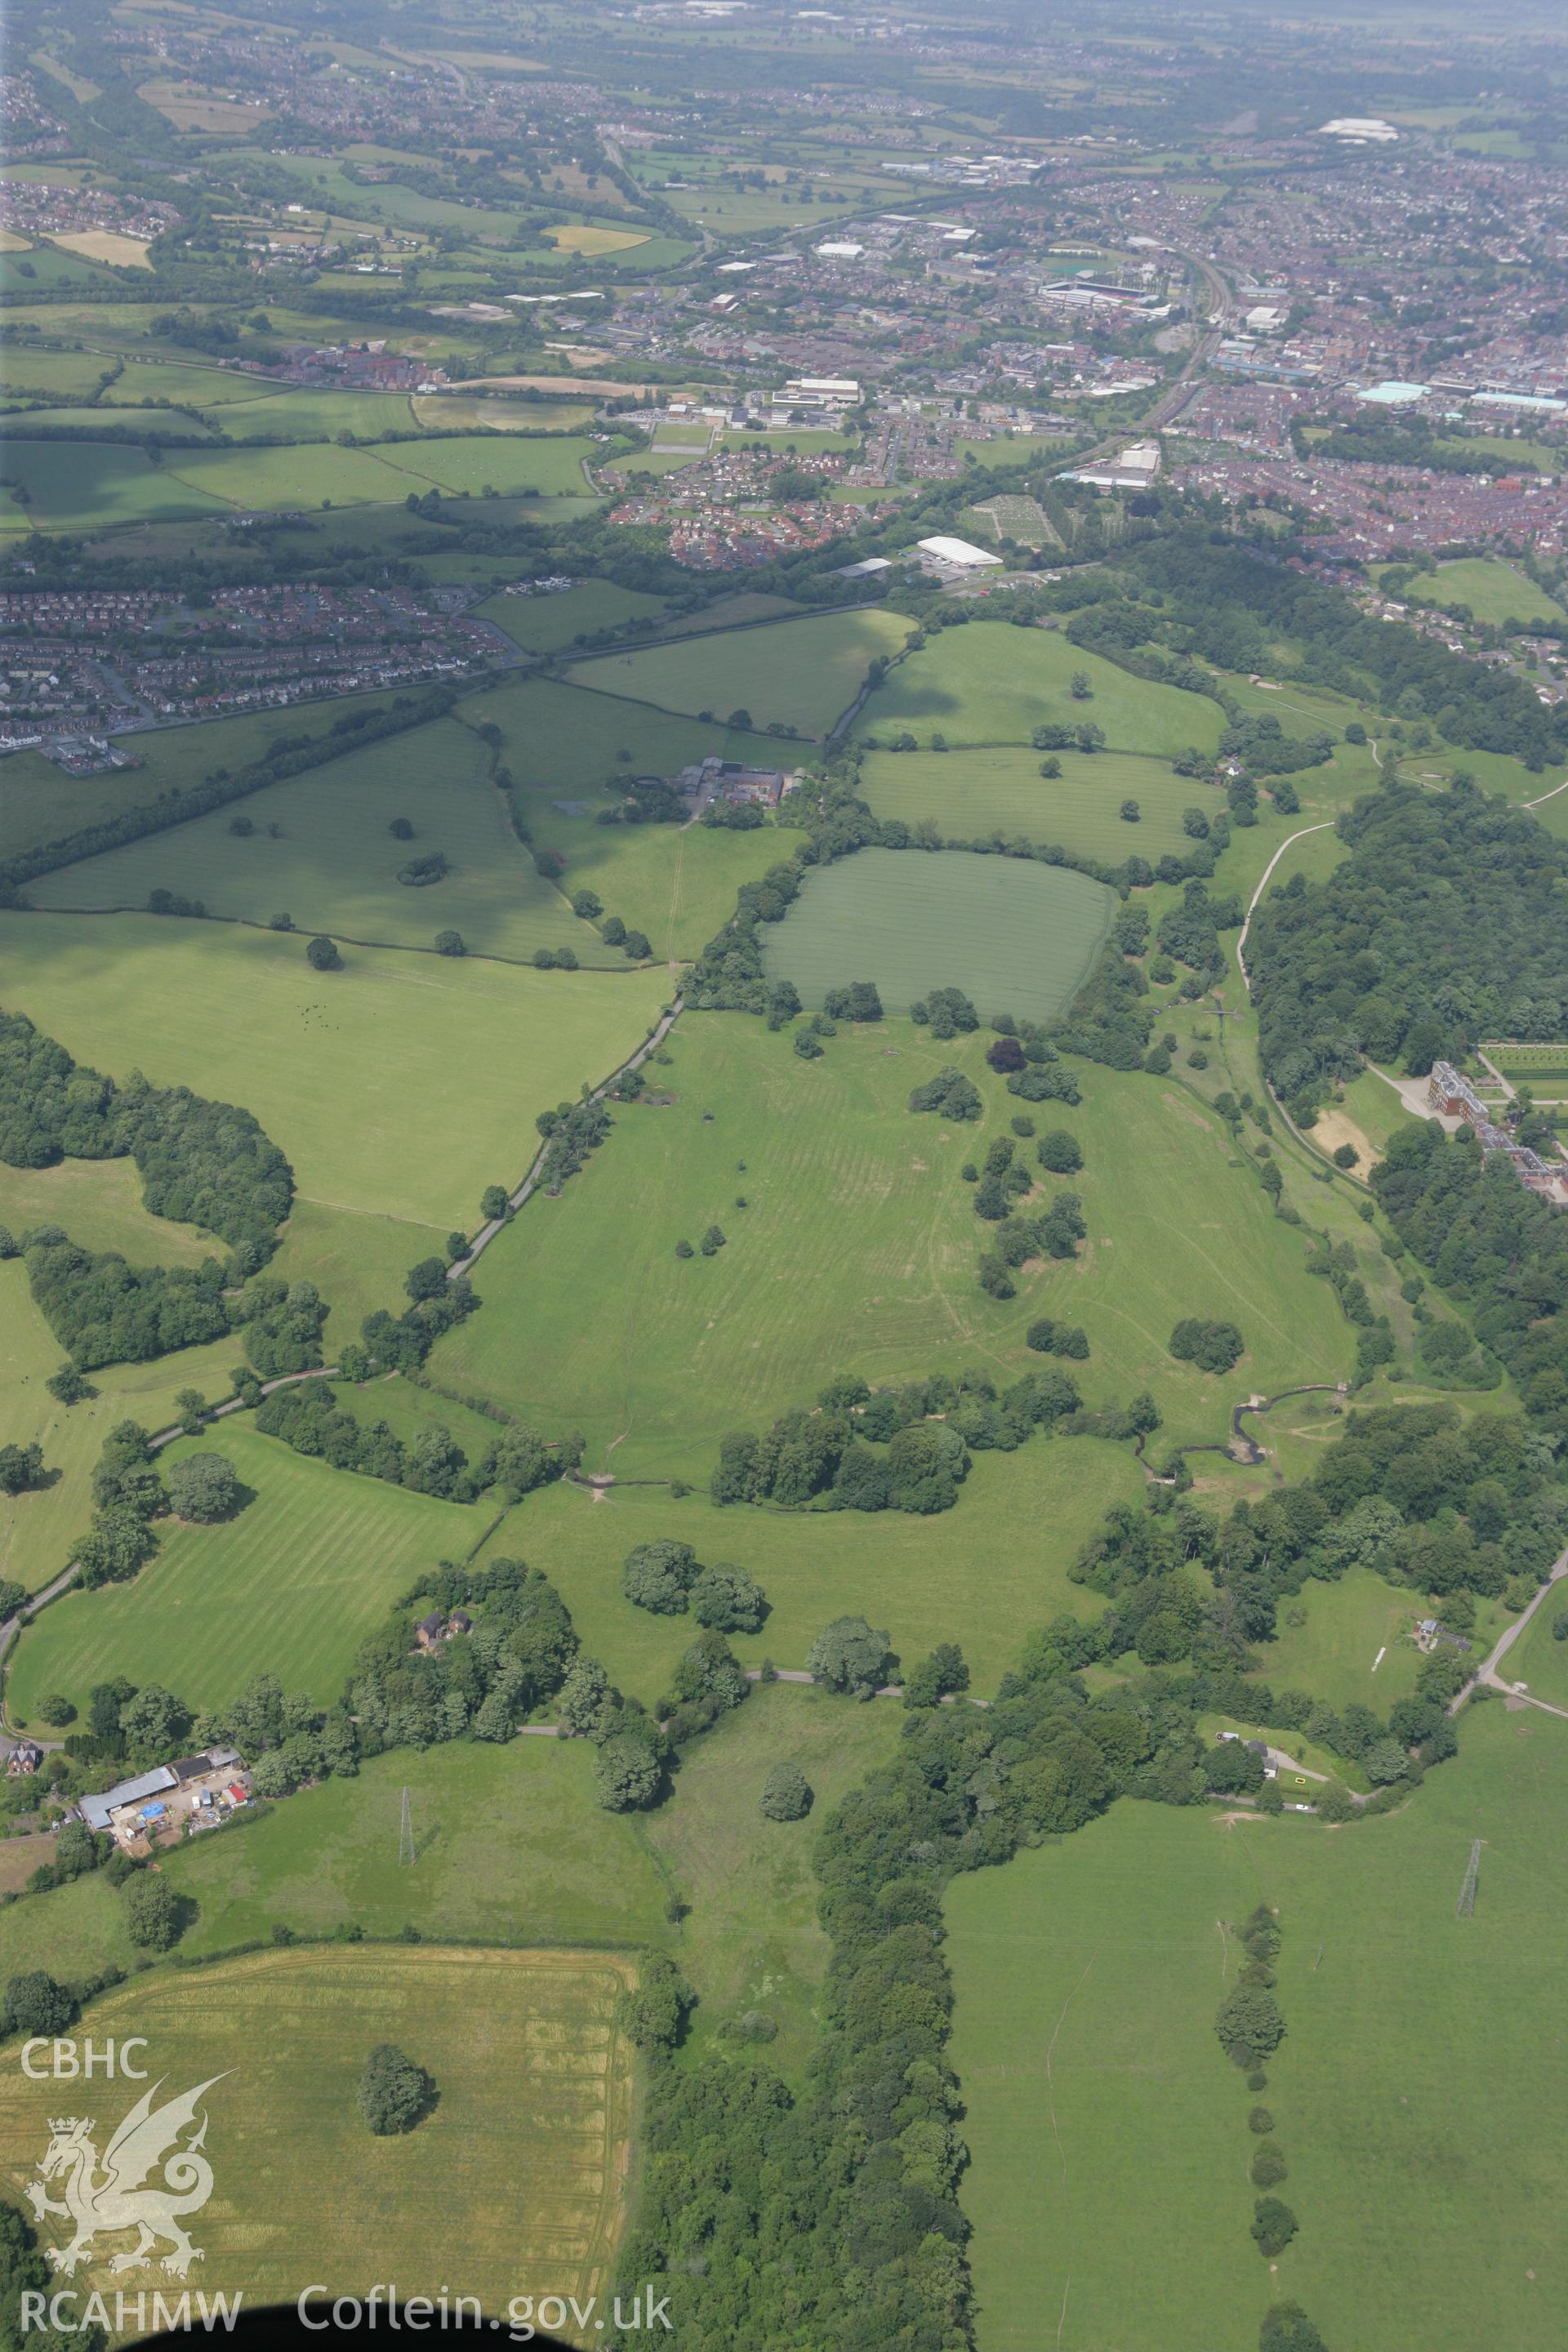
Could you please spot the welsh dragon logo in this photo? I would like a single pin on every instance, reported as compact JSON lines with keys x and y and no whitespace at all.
{"x":107,"y":2194}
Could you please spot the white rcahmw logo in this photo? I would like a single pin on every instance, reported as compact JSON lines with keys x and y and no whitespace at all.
{"x":102,"y":2195}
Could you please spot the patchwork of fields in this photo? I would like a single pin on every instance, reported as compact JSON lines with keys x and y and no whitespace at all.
{"x":969,"y":796}
{"x":320,"y":848}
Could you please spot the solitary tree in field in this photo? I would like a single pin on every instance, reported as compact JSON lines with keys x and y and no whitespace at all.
{"x":393,"y":2093}
{"x":787,"y":1793}
{"x":1080,"y":688}
{"x":322,"y":954}
{"x":203,"y":1486}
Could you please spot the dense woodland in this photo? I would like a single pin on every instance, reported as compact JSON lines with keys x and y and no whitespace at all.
{"x":1444,"y":926}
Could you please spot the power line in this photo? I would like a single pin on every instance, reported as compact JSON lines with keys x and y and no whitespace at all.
{"x":405,"y":1832}
{"x":1467,"y":1902}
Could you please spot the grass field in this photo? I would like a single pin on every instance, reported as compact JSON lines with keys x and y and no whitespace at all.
{"x":454,"y":412}
{"x":289,"y":1587}
{"x":1493,"y":590}
{"x":511,"y":1847}
{"x":970,"y":794}
{"x":675,"y":883}
{"x":542,"y":624}
{"x":803,"y":674}
{"x":517,"y":2177}
{"x":335,"y":865}
{"x":1335,"y":1654}
{"x":1007,"y":1548}
{"x":39,"y":803}
{"x":857,"y":1252}
{"x":1539,"y":1660}
{"x":1016,"y":936}
{"x":39,"y":1531}
{"x":752,"y":1940}
{"x":356,"y":1258}
{"x":99,"y":1202}
{"x":992,"y":683}
{"x":80,"y":486}
{"x":1419,"y":2122}
{"x":25,"y":369}
{"x":399,"y":1086}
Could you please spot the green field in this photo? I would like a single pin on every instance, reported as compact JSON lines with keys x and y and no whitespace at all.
{"x":972,"y":794}
{"x":752,"y":1941}
{"x":803,"y":674}
{"x":289,"y":1587}
{"x":1419,"y":2122}
{"x":39,"y":803}
{"x":1008,"y":1547}
{"x":1538,"y":1659}
{"x":1335,"y":1653}
{"x":511,"y":1846}
{"x":1493,"y":590}
{"x":24,"y":368}
{"x":677,"y":883}
{"x":542,"y":624}
{"x":857,"y":1252}
{"x":398,"y":1086}
{"x":1016,"y":936}
{"x":81,"y":486}
{"x":994,"y":683}
{"x":334,"y":865}
{"x":38,"y":1532}
{"x":299,"y":415}
{"x":517,"y":2175}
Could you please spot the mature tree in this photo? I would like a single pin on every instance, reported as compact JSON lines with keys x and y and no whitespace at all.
{"x":494,"y":1203}
{"x":850,"y":1655}
{"x":322,"y":953}
{"x":583,"y":1695}
{"x":400,"y":829}
{"x":1059,"y":1151}
{"x":393,"y":2093}
{"x":1080,"y":688}
{"x":203,"y":1486}
{"x":1212,"y":1347}
{"x":659,"y":1577}
{"x":1286,"y":2327}
{"x":155,"y":1916}
{"x":1249,"y":2022}
{"x":36,"y":2004}
{"x":55,"y":1709}
{"x":21,"y":1467}
{"x":154,"y":1720}
{"x":1268,"y":2167}
{"x":1130,"y":813}
{"x":787,"y":1793}
{"x":627,"y":1771}
{"x":1005,"y":1054}
{"x":1273,"y":2226}
{"x":450,"y":943}
{"x":728,"y":1599}
{"x":652,"y":2011}
{"x":936,"y":1676}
